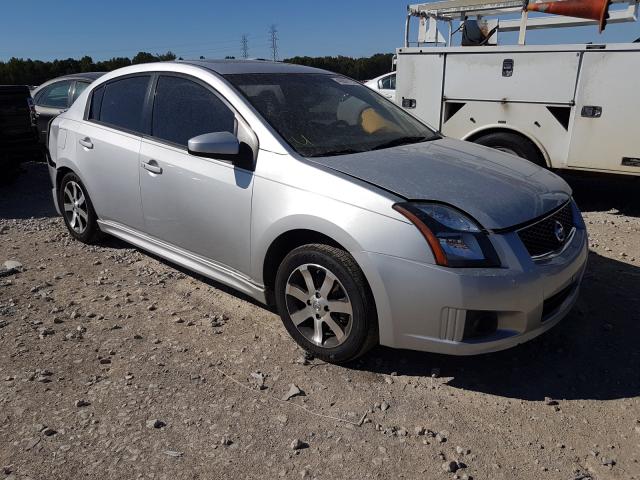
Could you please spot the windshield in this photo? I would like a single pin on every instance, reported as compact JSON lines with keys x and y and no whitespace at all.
{"x":328,"y":114}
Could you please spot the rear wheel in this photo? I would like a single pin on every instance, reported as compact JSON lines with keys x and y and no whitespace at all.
{"x":325,"y":303}
{"x":77,"y":210}
{"x":514,"y":144}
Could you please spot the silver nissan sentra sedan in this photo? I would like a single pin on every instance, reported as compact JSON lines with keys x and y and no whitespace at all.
{"x":305,"y":189}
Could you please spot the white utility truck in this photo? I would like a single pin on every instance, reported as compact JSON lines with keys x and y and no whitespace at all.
{"x":562,"y":106}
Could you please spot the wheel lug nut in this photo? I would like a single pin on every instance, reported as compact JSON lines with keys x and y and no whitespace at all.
{"x":308,"y":302}
{"x":326,"y":308}
{"x":317,"y":294}
{"x":317,"y":316}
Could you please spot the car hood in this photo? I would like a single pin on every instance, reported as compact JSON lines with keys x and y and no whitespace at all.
{"x":497,"y":189}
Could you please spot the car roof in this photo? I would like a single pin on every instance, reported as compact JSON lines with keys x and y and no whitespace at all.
{"x":230,"y":67}
{"x":88,"y":76}
{"x":81,"y":76}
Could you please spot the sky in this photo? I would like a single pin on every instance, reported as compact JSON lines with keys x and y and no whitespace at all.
{"x":45,"y":30}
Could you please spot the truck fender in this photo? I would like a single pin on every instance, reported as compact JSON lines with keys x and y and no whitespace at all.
{"x":498,"y":127}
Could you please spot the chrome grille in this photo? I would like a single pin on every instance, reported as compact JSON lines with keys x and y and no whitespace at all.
{"x":542,"y":237}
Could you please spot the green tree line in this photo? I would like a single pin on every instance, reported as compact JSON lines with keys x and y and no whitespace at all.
{"x":364,"y":68}
{"x":18,"y":71}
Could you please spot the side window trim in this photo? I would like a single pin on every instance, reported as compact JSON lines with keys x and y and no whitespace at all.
{"x":145,"y":125}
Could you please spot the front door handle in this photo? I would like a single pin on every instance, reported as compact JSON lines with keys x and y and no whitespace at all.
{"x":152,"y":166}
{"x":86,"y":142}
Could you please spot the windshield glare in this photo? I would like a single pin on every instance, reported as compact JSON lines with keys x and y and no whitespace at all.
{"x":328,"y":114}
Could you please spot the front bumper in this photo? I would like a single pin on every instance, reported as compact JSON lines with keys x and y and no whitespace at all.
{"x":425,"y":306}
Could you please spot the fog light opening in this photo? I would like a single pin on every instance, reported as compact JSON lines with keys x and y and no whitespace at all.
{"x":480,"y":323}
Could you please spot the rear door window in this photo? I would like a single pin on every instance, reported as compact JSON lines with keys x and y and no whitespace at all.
{"x":184,"y":109}
{"x":55,"y":95}
{"x":123,"y":102}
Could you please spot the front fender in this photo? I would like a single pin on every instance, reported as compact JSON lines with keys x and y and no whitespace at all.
{"x":351,"y":244}
{"x":279,"y":208}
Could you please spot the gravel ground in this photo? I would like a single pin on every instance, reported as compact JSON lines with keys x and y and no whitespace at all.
{"x":115,"y":364}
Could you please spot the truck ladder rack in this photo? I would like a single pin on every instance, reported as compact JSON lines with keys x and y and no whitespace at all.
{"x":452,"y":10}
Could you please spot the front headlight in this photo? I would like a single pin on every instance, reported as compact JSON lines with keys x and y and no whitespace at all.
{"x":455,"y":239}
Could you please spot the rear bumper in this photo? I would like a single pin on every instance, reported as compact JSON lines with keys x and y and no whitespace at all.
{"x":427,"y":305}
{"x":52,"y":175}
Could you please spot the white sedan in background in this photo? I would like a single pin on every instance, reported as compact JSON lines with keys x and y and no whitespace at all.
{"x":384,"y":85}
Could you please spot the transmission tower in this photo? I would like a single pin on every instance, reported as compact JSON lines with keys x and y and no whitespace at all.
{"x":245,"y":47}
{"x":273,"y":36}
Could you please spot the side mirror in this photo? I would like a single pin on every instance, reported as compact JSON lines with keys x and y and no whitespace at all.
{"x":223,"y":145}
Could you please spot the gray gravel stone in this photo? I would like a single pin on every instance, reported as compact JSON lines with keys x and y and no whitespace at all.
{"x":12,"y":265}
{"x":293,"y":391}
{"x":155,"y":423}
{"x":298,"y":444}
{"x":173,"y":453}
{"x":450,"y":467}
{"x":46,"y":332}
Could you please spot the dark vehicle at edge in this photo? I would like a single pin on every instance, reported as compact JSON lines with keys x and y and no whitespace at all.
{"x":18,"y":132}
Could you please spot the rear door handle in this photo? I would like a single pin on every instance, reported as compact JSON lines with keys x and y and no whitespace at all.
{"x":152,"y":166}
{"x":591,"y":111}
{"x":86,"y":142}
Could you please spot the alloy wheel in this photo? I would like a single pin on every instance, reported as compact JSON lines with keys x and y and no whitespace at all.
{"x":75,"y":207}
{"x":318,"y":305}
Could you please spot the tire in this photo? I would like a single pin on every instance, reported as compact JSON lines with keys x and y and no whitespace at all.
{"x":349,"y":292}
{"x":514,"y":144}
{"x":81,"y":221}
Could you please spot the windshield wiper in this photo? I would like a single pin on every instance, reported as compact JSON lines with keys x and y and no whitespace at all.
{"x":332,"y":153}
{"x":402,"y":141}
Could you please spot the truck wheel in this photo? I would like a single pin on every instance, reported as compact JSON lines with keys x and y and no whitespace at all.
{"x":514,"y":144}
{"x":325,"y":303}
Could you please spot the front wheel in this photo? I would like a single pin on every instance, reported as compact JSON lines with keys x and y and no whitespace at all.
{"x":325,"y":303}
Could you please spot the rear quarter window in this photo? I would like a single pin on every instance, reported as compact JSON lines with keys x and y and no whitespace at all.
{"x":55,"y":95}
{"x":95,"y":103}
{"x":80,"y":87}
